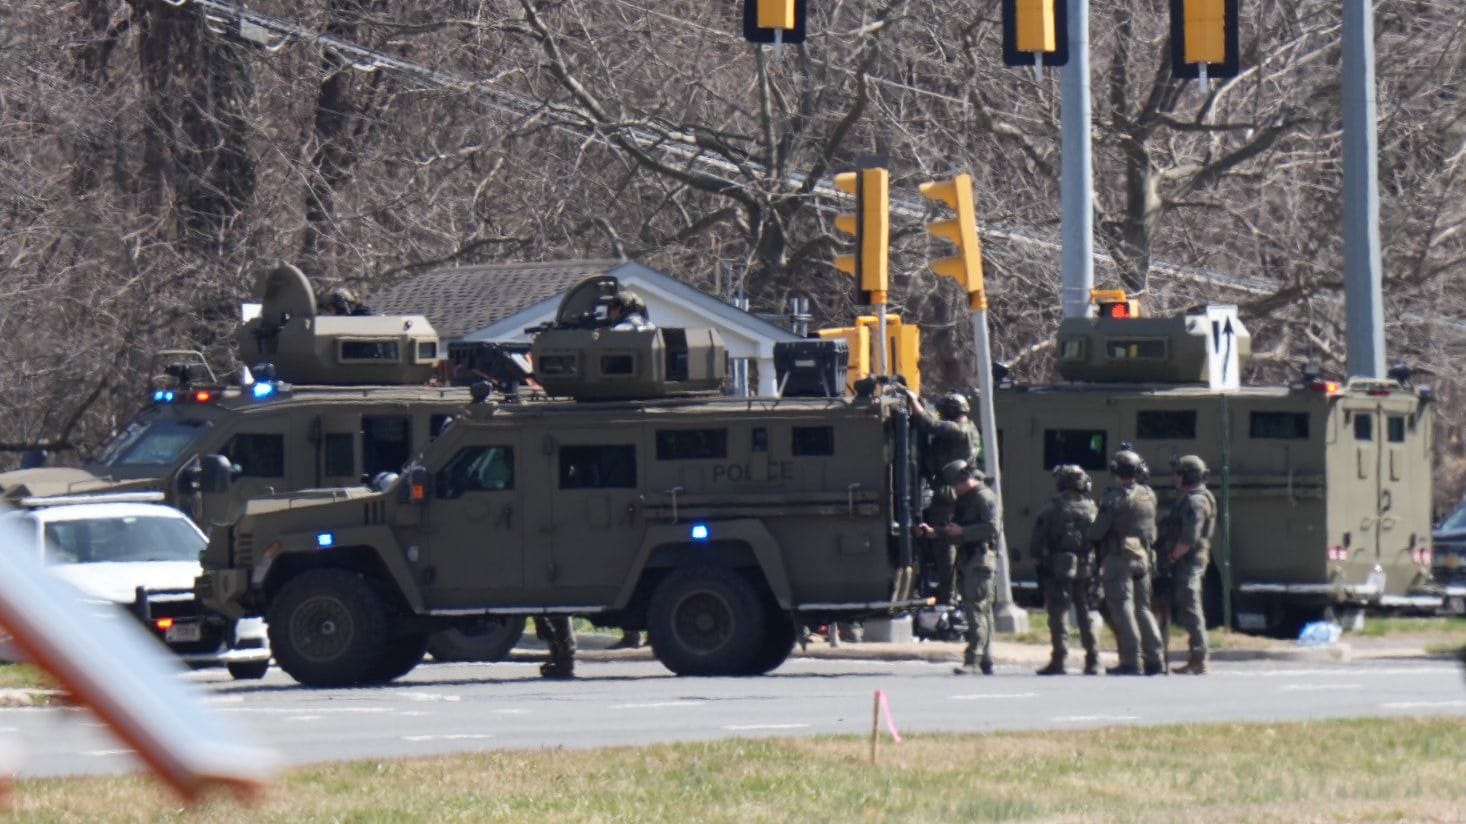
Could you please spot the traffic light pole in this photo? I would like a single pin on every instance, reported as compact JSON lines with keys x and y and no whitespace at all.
{"x":1006,"y":617}
{"x":1076,"y":179}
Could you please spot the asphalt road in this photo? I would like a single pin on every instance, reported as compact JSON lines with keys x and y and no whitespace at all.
{"x":630,"y":701}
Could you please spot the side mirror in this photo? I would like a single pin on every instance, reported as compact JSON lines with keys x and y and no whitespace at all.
{"x":216,"y":474}
{"x":416,"y":485}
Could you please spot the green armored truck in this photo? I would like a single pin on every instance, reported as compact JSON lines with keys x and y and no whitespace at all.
{"x":643,"y":499}
{"x":1323,"y":487}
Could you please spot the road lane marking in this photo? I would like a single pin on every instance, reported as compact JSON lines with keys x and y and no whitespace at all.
{"x":297,"y":710}
{"x":741,"y":727}
{"x":105,"y":753}
{"x":979,"y":696}
{"x":431,"y":696}
{"x":1319,"y":687}
{"x":510,"y":711}
{"x":1071,"y":719}
{"x":658,"y":705}
{"x":303,"y":718}
{"x":1422,"y":705}
{"x":454,"y":736}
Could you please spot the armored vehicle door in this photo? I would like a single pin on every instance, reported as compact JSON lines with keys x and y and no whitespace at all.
{"x":1382,"y":447}
{"x":472,"y":549}
{"x":1033,"y":444}
{"x":257,"y":448}
{"x":585,"y":535}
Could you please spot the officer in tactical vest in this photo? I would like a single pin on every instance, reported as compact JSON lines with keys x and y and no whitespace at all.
{"x":951,"y":436}
{"x":559,"y":638}
{"x":1125,"y":531}
{"x":1065,"y":560}
{"x":1186,"y":546}
{"x":974,"y":530}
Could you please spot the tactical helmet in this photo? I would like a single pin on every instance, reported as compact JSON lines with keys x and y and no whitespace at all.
{"x":1071,"y":476}
{"x":341,"y":299}
{"x":952,"y":405}
{"x":630,"y":300}
{"x":1191,"y":468}
{"x":1128,"y":464}
{"x":957,"y":470}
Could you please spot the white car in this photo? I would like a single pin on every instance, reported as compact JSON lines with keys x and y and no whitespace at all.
{"x":144,"y":557}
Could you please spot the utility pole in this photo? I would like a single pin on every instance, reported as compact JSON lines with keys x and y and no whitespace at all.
{"x":1363,"y":299}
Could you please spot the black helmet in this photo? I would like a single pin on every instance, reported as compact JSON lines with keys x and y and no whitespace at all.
{"x":952,"y":405}
{"x":957,"y":470}
{"x":1128,"y":464}
{"x":1071,"y":476}
{"x":1191,"y":468}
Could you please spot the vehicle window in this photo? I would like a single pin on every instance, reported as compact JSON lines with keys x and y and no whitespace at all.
{"x":160,"y":444}
{"x":1073,"y":349}
{"x":437,"y":423}
{"x":386,"y":444}
{"x":1456,"y":521}
{"x":368,"y":350}
{"x":1085,"y":447}
{"x":564,"y":365}
{"x":618,"y":365}
{"x":760,"y":440}
{"x":338,"y":458}
{"x":120,"y":540}
{"x":1165,"y":425}
{"x":477,"y":469}
{"x":257,"y":455}
{"x":1287,"y":426}
{"x":691,"y":444}
{"x":813,"y":441}
{"x":1139,"y":349}
{"x":1395,"y":429}
{"x":1364,"y":427}
{"x":598,"y":467}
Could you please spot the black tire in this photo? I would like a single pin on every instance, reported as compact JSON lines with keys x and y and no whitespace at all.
{"x":778,"y":642}
{"x":328,"y":628}
{"x":401,"y":656}
{"x":488,"y":640}
{"x":706,"y":621}
{"x":249,"y":670}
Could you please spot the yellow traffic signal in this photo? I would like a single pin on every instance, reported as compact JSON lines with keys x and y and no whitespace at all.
{"x":774,"y":21}
{"x":1035,"y":31}
{"x":1034,"y":24}
{"x":871,"y":226}
{"x":966,"y":266}
{"x":1204,"y":34}
{"x":775,"y":14}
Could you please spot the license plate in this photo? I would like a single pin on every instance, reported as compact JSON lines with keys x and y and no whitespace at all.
{"x":183,"y":633}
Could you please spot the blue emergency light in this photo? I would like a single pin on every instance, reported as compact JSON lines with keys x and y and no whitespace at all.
{"x":325,"y":540}
{"x":699,"y":532}
{"x":263,"y":389}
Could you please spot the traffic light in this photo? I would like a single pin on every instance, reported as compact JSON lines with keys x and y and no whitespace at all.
{"x":966,"y":266}
{"x":1204,"y":33}
{"x":871,"y":226}
{"x":1114,"y":303}
{"x":1035,"y":31}
{"x":765,"y":21}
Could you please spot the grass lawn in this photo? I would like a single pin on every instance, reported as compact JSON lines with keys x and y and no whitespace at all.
{"x":1361,"y":770}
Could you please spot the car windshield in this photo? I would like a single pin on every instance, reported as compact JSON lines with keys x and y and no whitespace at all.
{"x":158,"y":443}
{"x":1456,"y":521}
{"x":125,"y":539}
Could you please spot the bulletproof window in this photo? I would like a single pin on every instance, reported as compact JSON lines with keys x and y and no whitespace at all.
{"x":618,"y":365}
{"x":160,"y":443}
{"x":691,"y":444}
{"x":1285,"y":426}
{"x":1364,"y":427}
{"x":1136,"y":349}
{"x":338,"y":458}
{"x":368,"y":350}
{"x":598,"y":467}
{"x":437,"y":423}
{"x":1085,"y":447}
{"x":813,"y":441}
{"x":386,"y":444}
{"x":1395,"y":429}
{"x":476,"y":469}
{"x":1073,"y":349}
{"x":257,"y":455}
{"x":760,"y":442}
{"x":558,"y":365}
{"x":427,"y":350}
{"x":1165,"y":425}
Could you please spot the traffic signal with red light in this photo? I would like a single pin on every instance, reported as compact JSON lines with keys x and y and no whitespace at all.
{"x":871,"y":226}
{"x":767,"y":21}
{"x":1035,"y":31}
{"x":1115,"y":304}
{"x":966,"y":266}
{"x":1204,"y":33}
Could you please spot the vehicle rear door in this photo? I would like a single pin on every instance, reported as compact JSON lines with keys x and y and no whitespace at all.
{"x":1372,"y":499}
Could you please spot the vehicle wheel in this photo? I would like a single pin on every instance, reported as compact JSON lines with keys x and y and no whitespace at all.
{"x":401,"y":655}
{"x":705,"y":621}
{"x":778,"y":642}
{"x":249,"y":670}
{"x":488,"y":640}
{"x":328,"y":628}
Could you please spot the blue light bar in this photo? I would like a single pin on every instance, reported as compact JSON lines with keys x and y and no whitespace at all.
{"x":699,"y":532}
{"x":162,"y":396}
{"x":325,"y":539}
{"x":263,"y":389}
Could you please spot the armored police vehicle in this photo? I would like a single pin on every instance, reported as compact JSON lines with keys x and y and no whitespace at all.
{"x":642,"y":499}
{"x":1323,"y":487}
{"x":338,"y":400}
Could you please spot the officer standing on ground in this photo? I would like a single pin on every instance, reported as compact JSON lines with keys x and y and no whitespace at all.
{"x":1125,"y":530}
{"x":1193,"y":517}
{"x":559,"y":639}
{"x":974,"y":528}
{"x":949,"y":436}
{"x":1065,"y":561}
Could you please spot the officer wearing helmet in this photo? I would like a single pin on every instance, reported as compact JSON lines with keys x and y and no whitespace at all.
{"x":627,"y":313}
{"x":973,"y":530}
{"x":342,"y":301}
{"x":1186,"y":545}
{"x":1065,"y":561}
{"x":947,"y":436}
{"x":1125,"y":530}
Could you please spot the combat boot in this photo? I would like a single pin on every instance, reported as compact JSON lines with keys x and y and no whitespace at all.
{"x":557,"y":670}
{"x":1091,"y":663}
{"x":1055,"y":667}
{"x":966,"y":669}
{"x":1124,"y":669}
{"x":986,"y":667}
{"x":1195,"y":666}
{"x":1156,"y":669}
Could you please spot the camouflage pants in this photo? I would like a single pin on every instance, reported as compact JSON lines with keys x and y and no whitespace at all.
{"x":1127,"y":596}
{"x":943,"y":560}
{"x":1186,"y":605}
{"x":559,"y":639}
{"x":976,"y":583}
{"x":1061,"y":595}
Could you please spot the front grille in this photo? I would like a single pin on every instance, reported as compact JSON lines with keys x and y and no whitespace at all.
{"x":244,"y":550}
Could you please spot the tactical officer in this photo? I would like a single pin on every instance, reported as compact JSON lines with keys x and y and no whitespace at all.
{"x":974,"y":529}
{"x":627,"y":313}
{"x":342,"y":301}
{"x":559,"y":639}
{"x":1190,"y":525}
{"x":950,"y":436}
{"x":1125,"y":531}
{"x":1065,"y":561}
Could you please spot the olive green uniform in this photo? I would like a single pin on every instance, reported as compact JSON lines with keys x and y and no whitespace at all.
{"x":1191,"y":521}
{"x":559,"y":639}
{"x":1125,"y":530}
{"x":947,"y":441}
{"x":1065,"y":560}
{"x":940,"y":550}
{"x":977,"y":561}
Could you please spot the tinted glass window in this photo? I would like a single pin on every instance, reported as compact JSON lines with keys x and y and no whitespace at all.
{"x":558,"y":365}
{"x":257,"y":455}
{"x":1145,"y":349}
{"x":369,"y":350}
{"x":427,"y":350}
{"x":618,"y":365}
{"x":814,"y":440}
{"x":477,"y":469}
{"x":1395,"y":429}
{"x":760,"y":441}
{"x":1364,"y":427}
{"x":1085,"y":447}
{"x":339,"y":460}
{"x":437,"y":424}
{"x":1073,"y":349}
{"x":1165,"y":425}
{"x":126,"y":539}
{"x":691,"y":444}
{"x":158,"y":444}
{"x":598,"y":467}
{"x":386,"y":444}
{"x":1288,"y":426}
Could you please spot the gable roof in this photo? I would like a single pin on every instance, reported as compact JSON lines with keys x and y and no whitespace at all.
{"x":459,"y":300}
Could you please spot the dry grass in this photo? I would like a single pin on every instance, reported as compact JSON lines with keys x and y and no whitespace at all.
{"x":1366,"y":770}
